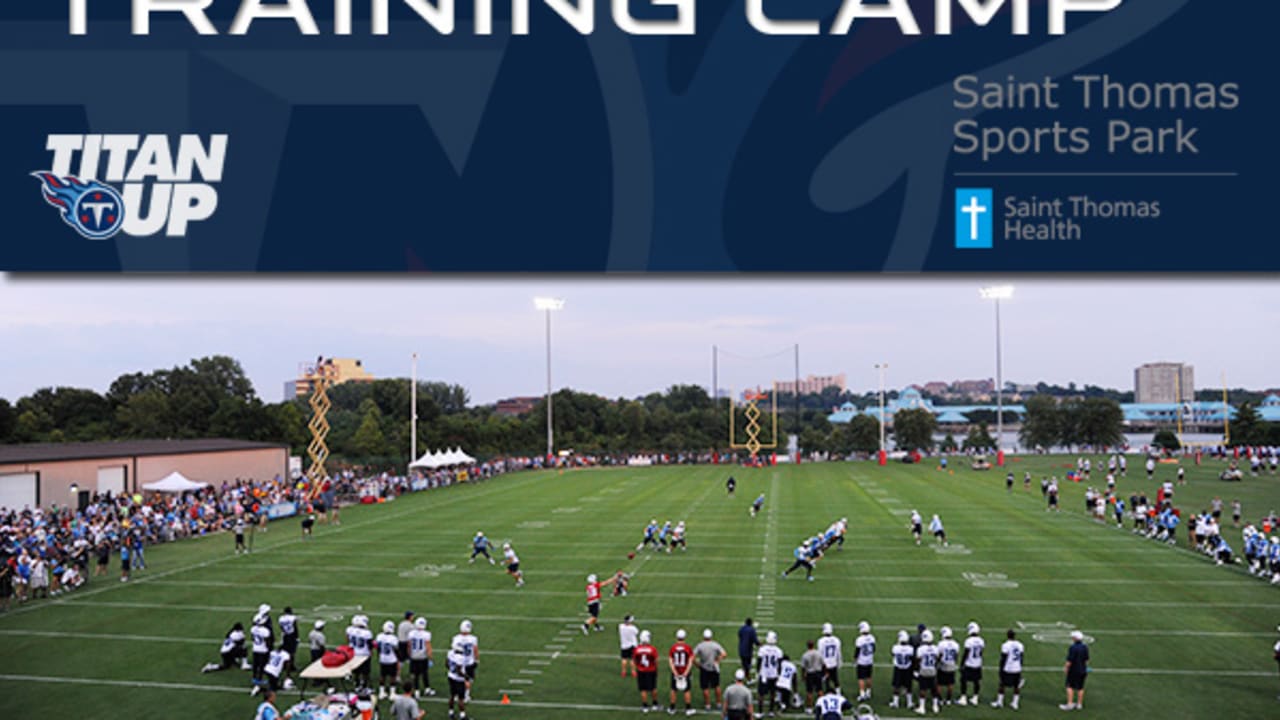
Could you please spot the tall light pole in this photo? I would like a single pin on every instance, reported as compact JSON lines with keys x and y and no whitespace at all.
{"x":882,"y":367}
{"x":413,"y":412}
{"x":998,"y":293}
{"x":549,"y":305}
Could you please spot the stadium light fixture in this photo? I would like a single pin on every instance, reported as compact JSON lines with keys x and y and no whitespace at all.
{"x":998,"y":293}
{"x":549,"y":304}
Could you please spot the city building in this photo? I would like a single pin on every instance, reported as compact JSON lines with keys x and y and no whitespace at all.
{"x":1164,"y":382}
{"x":341,"y":370}
{"x":511,"y":407}
{"x":812,"y":384}
{"x":44,"y":474}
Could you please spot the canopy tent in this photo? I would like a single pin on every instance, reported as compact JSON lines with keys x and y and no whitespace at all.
{"x":174,"y":482}
{"x":442,"y":458}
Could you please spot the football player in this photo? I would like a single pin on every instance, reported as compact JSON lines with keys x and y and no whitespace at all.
{"x":480,"y":546}
{"x":289,"y":635}
{"x":388,"y":644}
{"x":829,"y":647}
{"x":917,"y":526}
{"x":971,"y":672}
{"x":513,"y":564}
{"x":467,"y":647}
{"x":646,"y":660}
{"x":593,"y":602}
{"x":232,"y":651}
{"x":1011,"y":653}
{"x":680,"y":659}
{"x":904,"y":660}
{"x":261,"y":636}
{"x":935,"y":527}
{"x":628,"y":639}
{"x":757,"y":505}
{"x":803,"y":556}
{"x":768,"y":667}
{"x":458,"y":685}
{"x":786,"y":683}
{"x":361,"y":641}
{"x":864,"y":654}
{"x":420,"y":653}
{"x":650,"y":536}
{"x":927,"y":666}
{"x":948,"y":661}
{"x":677,"y":537}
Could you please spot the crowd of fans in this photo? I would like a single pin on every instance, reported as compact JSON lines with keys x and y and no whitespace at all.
{"x":45,"y":552}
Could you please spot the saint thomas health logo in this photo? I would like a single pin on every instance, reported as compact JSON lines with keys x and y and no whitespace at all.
{"x":974,"y":213}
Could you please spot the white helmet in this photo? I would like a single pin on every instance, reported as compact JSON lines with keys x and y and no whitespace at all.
{"x":479,"y":533}
{"x":974,"y":629}
{"x":864,"y":627}
{"x":360,"y":621}
{"x":645,"y":636}
{"x":771,"y":638}
{"x":591,"y":578}
{"x":506,"y":546}
{"x":263,"y":609}
{"x":464,"y":626}
{"x":680,"y":634}
{"x":827,"y":629}
{"x":706,"y":634}
{"x":388,"y":627}
{"x":903,"y":636}
{"x":420,"y":623}
{"x":926,"y":636}
{"x":319,"y":624}
{"x":946,"y":633}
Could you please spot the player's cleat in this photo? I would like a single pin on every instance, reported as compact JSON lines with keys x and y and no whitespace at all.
{"x":1014,"y":704}
{"x":974,"y":701}
{"x":962,"y":701}
{"x":584,"y":629}
{"x":491,"y":561}
{"x":935,"y":706}
{"x":256,"y":689}
{"x":894,"y":703}
{"x":998,"y":703}
{"x":1067,"y":706}
{"x":429,"y":692}
{"x":920,"y":708}
{"x":671,"y":710}
{"x":210,"y":667}
{"x":690,"y":711}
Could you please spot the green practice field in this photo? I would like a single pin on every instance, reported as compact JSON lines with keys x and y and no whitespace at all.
{"x":1173,"y":636}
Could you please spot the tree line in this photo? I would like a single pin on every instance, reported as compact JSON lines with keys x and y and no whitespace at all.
{"x":212,"y":397}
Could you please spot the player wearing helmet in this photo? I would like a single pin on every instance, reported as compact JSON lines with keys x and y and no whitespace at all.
{"x":467,"y":647}
{"x":904,"y":659}
{"x":971,"y":670}
{"x":757,"y":505}
{"x":361,"y":641}
{"x":804,"y":558}
{"x":388,"y":644}
{"x":261,"y":637}
{"x":593,"y":602}
{"x":1011,"y":653}
{"x":917,"y":526}
{"x":512,"y":562}
{"x":646,"y":659}
{"x":864,"y":654}
{"x":832,"y":652}
{"x":650,"y":536}
{"x":232,"y":650}
{"x":680,"y":659}
{"x":948,"y":661}
{"x":927,"y":664}
{"x":480,"y":546}
{"x":768,"y":667}
{"x":420,"y":654}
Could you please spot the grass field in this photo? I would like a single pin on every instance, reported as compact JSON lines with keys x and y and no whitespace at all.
{"x":1174,"y":636}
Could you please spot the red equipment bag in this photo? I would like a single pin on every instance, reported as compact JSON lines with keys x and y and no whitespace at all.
{"x":338,"y":656}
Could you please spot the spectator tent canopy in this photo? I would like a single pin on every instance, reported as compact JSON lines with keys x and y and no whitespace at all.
{"x":174,"y":482}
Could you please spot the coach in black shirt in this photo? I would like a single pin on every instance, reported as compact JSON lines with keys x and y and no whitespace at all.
{"x":748,"y":640}
{"x":1076,"y":669}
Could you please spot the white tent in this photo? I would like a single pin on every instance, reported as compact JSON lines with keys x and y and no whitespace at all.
{"x":174,"y":482}
{"x":461,"y":458}
{"x":443,"y":458}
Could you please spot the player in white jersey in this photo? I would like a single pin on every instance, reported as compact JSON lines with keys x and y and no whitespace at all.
{"x":276,"y":669}
{"x":917,"y":525}
{"x":927,"y":664}
{"x":513,"y":563}
{"x":904,"y":661}
{"x":388,"y":644}
{"x":1011,"y":654}
{"x":768,"y":667}
{"x":289,"y":635}
{"x":935,"y":527}
{"x":829,"y":647}
{"x":468,"y":649}
{"x":831,"y":706}
{"x":361,"y":641}
{"x":459,"y":685}
{"x":420,"y":655}
{"x":948,"y":661}
{"x":261,"y":636}
{"x":628,"y":639}
{"x":864,"y":657}
{"x":232,"y":650}
{"x":971,"y":669}
{"x":678,"y":537}
{"x":786,"y":683}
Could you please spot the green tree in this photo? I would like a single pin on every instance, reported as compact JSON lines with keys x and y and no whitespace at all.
{"x":860,"y":435}
{"x":1166,"y":440}
{"x":290,"y":426}
{"x":979,"y":438}
{"x":1099,"y":422}
{"x":948,"y":444}
{"x":1042,"y":426}
{"x":368,"y":441}
{"x":144,"y":415}
{"x":913,"y":429}
{"x":1247,"y":427}
{"x":8,"y":421}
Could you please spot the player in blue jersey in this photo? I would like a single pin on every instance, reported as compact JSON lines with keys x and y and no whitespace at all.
{"x":650,"y":536}
{"x":480,"y":546}
{"x":805,"y":557}
{"x":664,"y":536}
{"x":757,"y":505}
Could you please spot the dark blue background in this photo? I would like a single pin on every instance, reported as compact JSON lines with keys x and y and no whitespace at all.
{"x":557,"y":152}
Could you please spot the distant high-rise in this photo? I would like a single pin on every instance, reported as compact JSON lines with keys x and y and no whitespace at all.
{"x":344,"y":370}
{"x":1164,"y":382}
{"x":812,"y":384}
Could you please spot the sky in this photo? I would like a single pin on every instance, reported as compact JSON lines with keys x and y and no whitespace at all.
{"x":623,"y":336}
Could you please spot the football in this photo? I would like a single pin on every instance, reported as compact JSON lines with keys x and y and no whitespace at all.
{"x":631,"y":556}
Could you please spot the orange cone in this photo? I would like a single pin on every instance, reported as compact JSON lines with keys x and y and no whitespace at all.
{"x":505,"y":700}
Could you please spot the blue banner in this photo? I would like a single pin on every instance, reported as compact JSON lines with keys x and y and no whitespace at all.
{"x":282,"y":510}
{"x":683,"y":136}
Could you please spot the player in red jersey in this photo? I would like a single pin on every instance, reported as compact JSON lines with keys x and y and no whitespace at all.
{"x":680,"y":657}
{"x":593,"y":602}
{"x":645,"y":657}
